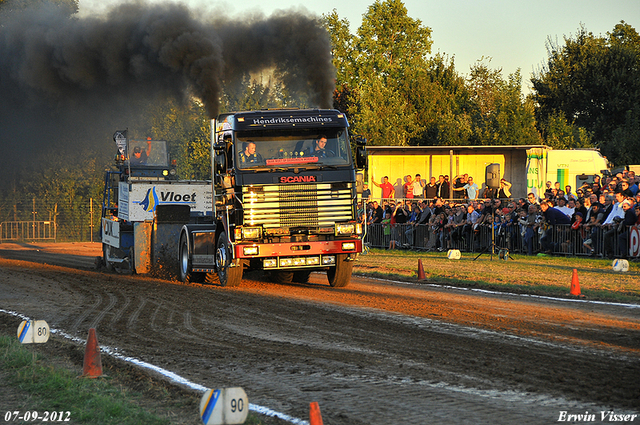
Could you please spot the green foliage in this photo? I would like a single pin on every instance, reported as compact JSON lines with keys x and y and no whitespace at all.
{"x":500,"y":114}
{"x":594,"y":82}
{"x":87,"y":400}
{"x":60,"y":188}
{"x":374,"y":67}
{"x":395,"y":94}
{"x":625,"y":139}
{"x":559,"y":134}
{"x":187,"y":130}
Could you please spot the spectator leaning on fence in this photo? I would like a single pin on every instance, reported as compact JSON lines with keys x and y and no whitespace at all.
{"x":630,"y":219}
{"x":377,"y":213}
{"x":553,"y":217}
{"x":633,"y":183}
{"x":610,"y":225}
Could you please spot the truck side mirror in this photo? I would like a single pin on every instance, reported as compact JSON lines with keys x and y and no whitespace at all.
{"x":360,"y":140}
{"x":220,"y":162}
{"x":361,"y":157}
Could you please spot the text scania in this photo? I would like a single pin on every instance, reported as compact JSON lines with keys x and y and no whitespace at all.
{"x":298,"y":179}
{"x":177,"y":197}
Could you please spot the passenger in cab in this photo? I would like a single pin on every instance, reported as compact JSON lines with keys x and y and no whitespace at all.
{"x":319,"y":148}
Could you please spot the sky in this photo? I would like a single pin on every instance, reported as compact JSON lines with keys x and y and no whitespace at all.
{"x":512,"y":33}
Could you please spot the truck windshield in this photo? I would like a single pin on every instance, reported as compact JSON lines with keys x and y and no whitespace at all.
{"x":141,"y":152}
{"x":285,"y":148}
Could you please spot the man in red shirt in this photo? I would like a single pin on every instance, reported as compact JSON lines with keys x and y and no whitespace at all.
{"x":408,"y":187}
{"x":387,"y":188}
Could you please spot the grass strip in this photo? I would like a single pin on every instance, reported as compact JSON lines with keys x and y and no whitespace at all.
{"x":57,"y":389}
{"x":536,"y":275}
{"x":29,"y":381}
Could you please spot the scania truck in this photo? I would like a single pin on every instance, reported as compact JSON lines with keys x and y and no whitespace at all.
{"x":285,"y":199}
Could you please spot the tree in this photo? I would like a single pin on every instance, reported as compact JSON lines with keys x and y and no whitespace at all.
{"x":594,"y":83}
{"x":500,"y":114}
{"x":187,"y":130}
{"x":389,"y":47}
{"x":440,"y":99}
{"x":396,"y":94}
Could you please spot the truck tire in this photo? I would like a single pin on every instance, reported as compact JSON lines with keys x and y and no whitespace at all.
{"x":282,"y":277}
{"x":184,"y":264}
{"x":340,"y":275}
{"x":301,"y":276}
{"x":105,"y":255}
{"x":227,"y":275}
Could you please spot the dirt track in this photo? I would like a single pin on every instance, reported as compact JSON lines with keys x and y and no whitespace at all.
{"x":371,"y":353}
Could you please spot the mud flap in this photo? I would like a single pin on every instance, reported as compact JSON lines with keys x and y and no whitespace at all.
{"x":142,"y":247}
{"x":168,"y":222}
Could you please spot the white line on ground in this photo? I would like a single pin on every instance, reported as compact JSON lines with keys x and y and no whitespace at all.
{"x":168,"y":374}
{"x":486,"y":291}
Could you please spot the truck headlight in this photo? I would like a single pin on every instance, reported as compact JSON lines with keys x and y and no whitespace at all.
{"x":348,"y":246}
{"x":251,"y":232}
{"x":328,"y":260}
{"x":345,"y":229}
{"x":250,"y":250}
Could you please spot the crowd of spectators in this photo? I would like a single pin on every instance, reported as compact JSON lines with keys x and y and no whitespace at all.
{"x":594,"y":220}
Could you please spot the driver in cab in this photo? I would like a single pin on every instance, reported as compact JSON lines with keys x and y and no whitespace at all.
{"x":249,"y":154}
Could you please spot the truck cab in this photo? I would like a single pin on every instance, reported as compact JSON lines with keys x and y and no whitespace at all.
{"x":285,"y":198}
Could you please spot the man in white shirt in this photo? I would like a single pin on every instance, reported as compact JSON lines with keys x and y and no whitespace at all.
{"x":418,"y":187}
{"x":564,"y":207}
{"x":610,"y":225}
{"x":472,"y":188}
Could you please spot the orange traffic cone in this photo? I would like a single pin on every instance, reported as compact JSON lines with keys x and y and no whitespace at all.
{"x":575,"y":284}
{"x":92,"y":367}
{"x":421,"y":274}
{"x":314,"y":414}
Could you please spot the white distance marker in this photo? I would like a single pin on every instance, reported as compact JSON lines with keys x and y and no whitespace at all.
{"x":224,"y":406}
{"x":33,"y":332}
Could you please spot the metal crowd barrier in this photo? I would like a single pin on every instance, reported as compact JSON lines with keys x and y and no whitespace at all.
{"x":27,"y":230}
{"x":560,"y":239}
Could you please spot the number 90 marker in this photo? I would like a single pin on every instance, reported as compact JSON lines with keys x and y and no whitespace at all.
{"x":224,"y":406}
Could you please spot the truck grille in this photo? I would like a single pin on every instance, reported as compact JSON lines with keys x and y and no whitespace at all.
{"x":303,"y":205}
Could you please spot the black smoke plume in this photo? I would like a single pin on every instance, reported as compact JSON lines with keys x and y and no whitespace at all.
{"x":62,"y":77}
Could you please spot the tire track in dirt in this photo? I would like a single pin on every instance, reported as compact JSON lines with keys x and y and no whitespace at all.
{"x":113,"y":300}
{"x":288,"y":344}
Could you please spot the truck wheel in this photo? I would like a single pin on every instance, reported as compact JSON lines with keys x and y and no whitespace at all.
{"x":340,"y":275}
{"x":184,"y":260}
{"x":105,"y":255}
{"x":281,"y":277}
{"x":227,"y":275}
{"x":301,"y":277}
{"x":185,"y":274}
